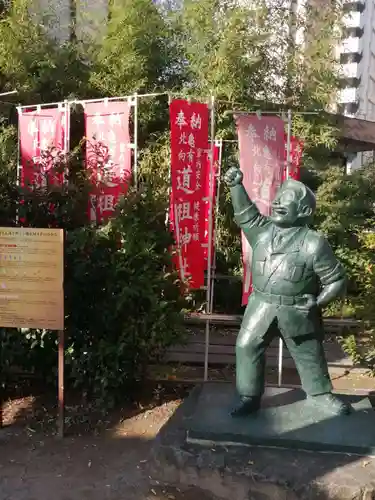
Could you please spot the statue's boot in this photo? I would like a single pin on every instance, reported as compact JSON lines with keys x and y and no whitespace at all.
{"x":330,"y":404}
{"x":247,"y":406}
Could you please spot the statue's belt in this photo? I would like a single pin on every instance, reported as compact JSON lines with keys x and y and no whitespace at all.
{"x":282,"y":300}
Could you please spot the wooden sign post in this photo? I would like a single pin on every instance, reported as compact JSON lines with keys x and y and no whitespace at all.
{"x":32,"y":287}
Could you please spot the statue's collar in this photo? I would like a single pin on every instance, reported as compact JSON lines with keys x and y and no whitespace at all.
{"x":286,"y":240}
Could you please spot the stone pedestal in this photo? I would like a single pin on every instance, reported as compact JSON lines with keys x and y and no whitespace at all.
{"x":262,"y":457}
{"x":286,"y":420}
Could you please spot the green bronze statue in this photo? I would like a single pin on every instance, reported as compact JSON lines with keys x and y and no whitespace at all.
{"x":294,"y":274}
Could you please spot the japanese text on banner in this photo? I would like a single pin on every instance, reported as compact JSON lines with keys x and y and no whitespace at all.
{"x":261,"y":152}
{"x":296,"y":151}
{"x":42,"y":144}
{"x":189,"y":141}
{"x":108,"y":155}
{"x":215,"y":174}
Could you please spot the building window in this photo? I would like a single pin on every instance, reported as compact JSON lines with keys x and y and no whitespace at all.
{"x":352,"y":32}
{"x":354,"y":6}
{"x":351,"y":57}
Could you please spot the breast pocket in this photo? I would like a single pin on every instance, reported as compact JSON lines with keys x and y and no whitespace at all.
{"x":295,"y":272}
{"x":258,"y":267}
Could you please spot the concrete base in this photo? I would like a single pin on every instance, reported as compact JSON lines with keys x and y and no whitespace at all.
{"x":286,"y":420}
{"x":256,"y":473}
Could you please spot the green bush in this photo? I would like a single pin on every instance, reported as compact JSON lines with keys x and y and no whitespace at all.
{"x":123,"y":301}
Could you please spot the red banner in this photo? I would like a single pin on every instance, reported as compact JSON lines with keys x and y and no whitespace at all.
{"x":189,"y":141}
{"x":261,"y":152}
{"x":42,"y":136}
{"x":296,"y":151}
{"x":108,"y":155}
{"x":216,"y":173}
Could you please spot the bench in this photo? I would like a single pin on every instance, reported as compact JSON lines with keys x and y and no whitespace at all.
{"x":221,"y":350}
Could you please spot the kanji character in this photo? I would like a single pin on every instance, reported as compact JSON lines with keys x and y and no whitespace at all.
{"x":44,"y":143}
{"x":185,"y":237}
{"x":183,"y":139}
{"x":106,"y":203}
{"x":112,"y":137}
{"x":47,"y":126}
{"x":98,"y":120}
{"x":183,"y":211}
{"x":181,"y":155}
{"x":115,"y":119}
{"x":99,"y":136}
{"x":180,"y":119}
{"x":196,"y":121}
{"x":191,"y":141}
{"x":251,"y":132}
{"x":267,"y":153}
{"x":256,"y":150}
{"x":257,"y":174}
{"x":185,"y":183}
{"x":32,"y":127}
{"x":185,"y":268}
{"x":190,"y":156}
{"x":269,"y":133}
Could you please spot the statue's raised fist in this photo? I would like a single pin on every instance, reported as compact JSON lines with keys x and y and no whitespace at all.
{"x":233,"y":176}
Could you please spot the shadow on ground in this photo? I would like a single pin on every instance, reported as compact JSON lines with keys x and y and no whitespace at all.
{"x":260,"y":473}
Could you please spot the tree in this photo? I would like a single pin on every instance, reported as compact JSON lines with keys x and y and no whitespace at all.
{"x":220,"y":45}
{"x":133,"y":55}
{"x":346,"y":216}
{"x":37,"y":65}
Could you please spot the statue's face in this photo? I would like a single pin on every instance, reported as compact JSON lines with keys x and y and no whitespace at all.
{"x":285,"y":207}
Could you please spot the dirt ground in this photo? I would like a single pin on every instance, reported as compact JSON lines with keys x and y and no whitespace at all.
{"x":102,"y":457}
{"x":99,"y":459}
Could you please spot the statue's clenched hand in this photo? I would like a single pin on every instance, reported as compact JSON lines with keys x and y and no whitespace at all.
{"x":233,"y":176}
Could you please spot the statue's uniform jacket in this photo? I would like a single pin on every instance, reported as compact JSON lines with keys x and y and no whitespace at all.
{"x":283,"y":274}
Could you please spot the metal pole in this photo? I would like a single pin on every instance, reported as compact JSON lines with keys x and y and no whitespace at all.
{"x":61,"y":392}
{"x":209,"y":252}
{"x":9,"y":93}
{"x":288,"y":143}
{"x":219,"y":143}
{"x":136,"y":140}
{"x":67,"y":133}
{"x":167,"y":221}
{"x":289,"y":138}
{"x":18,"y":181}
{"x":274,"y":112}
{"x":29,"y":106}
{"x":84,"y":101}
{"x":153,"y":94}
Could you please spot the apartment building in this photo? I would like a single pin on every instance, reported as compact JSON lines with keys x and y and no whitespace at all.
{"x":357,"y":56}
